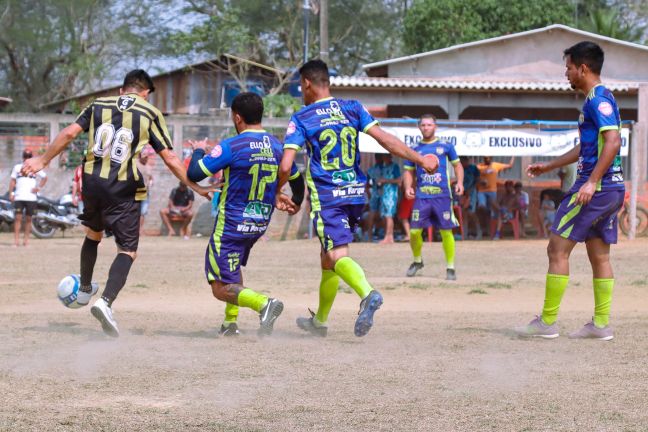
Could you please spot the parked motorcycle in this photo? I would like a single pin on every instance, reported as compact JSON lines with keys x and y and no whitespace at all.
{"x":7,"y":212}
{"x":52,"y":215}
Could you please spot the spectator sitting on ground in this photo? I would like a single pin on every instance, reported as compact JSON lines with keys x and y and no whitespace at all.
{"x":508,"y":204}
{"x":469,"y":197}
{"x":523,"y":202}
{"x":547,"y":214}
{"x":180,"y":203}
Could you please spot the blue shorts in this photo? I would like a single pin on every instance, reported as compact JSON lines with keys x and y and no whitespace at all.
{"x":487,"y":199}
{"x":436,"y":212}
{"x":389,"y":203}
{"x":596,"y":219}
{"x":374,"y":203}
{"x":335,"y":226}
{"x":225,"y":256}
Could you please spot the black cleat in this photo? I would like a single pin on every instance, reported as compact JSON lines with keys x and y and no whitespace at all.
{"x":269,"y":315}
{"x":413,"y":268}
{"x":450,"y":274}
{"x":308,"y":325}
{"x":230,"y":330}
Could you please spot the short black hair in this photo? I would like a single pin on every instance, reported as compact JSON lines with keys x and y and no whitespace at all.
{"x":249,"y":106}
{"x":138,"y":79}
{"x":27,"y":153}
{"x":587,"y":53}
{"x":427,"y":116}
{"x":315,"y":71}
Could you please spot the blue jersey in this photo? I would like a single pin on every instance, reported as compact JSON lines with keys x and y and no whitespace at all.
{"x":600,"y":113}
{"x":329,"y":129}
{"x":435,"y":185}
{"x":250,"y":162}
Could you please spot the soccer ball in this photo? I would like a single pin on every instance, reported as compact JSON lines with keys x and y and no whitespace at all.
{"x":67,"y":291}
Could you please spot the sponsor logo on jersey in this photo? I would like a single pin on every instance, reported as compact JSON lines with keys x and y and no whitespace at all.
{"x":446,"y":215}
{"x":333,"y":111}
{"x":344,"y":176}
{"x":257,"y":210}
{"x":581,"y":118}
{"x":605,"y":108}
{"x":439,"y":151}
{"x":216,"y":151}
{"x":291,"y":128}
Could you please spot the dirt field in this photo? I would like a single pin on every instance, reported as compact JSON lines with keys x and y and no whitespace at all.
{"x":440,"y":356}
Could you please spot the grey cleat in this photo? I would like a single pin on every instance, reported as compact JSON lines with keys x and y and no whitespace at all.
{"x":103,"y":313}
{"x":230,"y":330}
{"x":450,"y":274}
{"x":413,"y":268}
{"x":536,"y":328}
{"x":368,"y":307}
{"x":590,"y":331}
{"x":269,"y":315}
{"x":308,"y":324}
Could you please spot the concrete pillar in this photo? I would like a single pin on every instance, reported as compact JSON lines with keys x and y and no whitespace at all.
{"x":453,"y":106}
{"x":641,"y":150}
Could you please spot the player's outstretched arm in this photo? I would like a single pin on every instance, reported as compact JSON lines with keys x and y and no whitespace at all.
{"x":570,"y":157}
{"x":398,"y":148}
{"x":175,"y":166}
{"x":62,"y":140}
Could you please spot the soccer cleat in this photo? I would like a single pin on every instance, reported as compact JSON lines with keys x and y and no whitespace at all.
{"x":590,"y":331}
{"x":230,"y":330}
{"x":450,"y":274}
{"x":307,"y":324}
{"x":83,"y":298}
{"x":413,"y":268}
{"x":536,"y":328}
{"x":103,"y":313}
{"x":269,"y":315}
{"x":368,"y":306}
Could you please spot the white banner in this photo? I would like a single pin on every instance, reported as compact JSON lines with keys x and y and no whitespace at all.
{"x":494,"y":142}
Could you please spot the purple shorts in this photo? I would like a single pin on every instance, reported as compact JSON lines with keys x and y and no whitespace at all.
{"x":225,"y":256}
{"x":436,"y":212}
{"x":335,"y":226}
{"x":596,"y":219}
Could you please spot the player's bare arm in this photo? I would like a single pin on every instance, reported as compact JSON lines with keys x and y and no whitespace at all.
{"x":62,"y":140}
{"x":282,"y":201}
{"x":611,"y":147}
{"x":537,"y":169}
{"x":398,"y":148}
{"x":459,"y":174}
{"x":177,"y":168}
{"x":408,"y":184}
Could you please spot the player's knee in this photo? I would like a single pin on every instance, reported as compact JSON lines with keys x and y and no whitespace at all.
{"x":219,"y":291}
{"x":132,"y":254}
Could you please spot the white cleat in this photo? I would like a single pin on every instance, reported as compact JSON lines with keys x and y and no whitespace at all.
{"x":103,"y":313}
{"x":83,"y":298}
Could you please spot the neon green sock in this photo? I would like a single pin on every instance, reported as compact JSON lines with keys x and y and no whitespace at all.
{"x":231,"y":314}
{"x":602,"y":301}
{"x":327,"y":292}
{"x":253,"y":300}
{"x":448,"y":247}
{"x":351,"y":273}
{"x":416,"y":243}
{"x":554,"y":290}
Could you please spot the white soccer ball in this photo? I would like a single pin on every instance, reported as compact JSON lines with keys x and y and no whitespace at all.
{"x":67,"y":291}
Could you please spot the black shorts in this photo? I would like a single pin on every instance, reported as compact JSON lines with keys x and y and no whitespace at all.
{"x":28,"y":206}
{"x":122,"y":218}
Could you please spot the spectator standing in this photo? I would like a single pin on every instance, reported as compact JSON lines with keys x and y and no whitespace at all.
{"x":22,"y":192}
{"x":523,"y":205}
{"x":373,"y":175}
{"x":390,"y":181}
{"x":487,"y":187}
{"x":508,"y":204}
{"x":469,"y":198}
{"x":146,"y":171}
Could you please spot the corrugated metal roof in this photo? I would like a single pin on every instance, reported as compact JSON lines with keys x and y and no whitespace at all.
{"x":467,"y":85}
{"x":505,"y":37}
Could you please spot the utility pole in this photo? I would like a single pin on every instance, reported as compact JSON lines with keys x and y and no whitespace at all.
{"x":306,"y":7}
{"x":324,"y":43}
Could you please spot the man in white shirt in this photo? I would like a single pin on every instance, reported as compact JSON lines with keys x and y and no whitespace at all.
{"x":22,"y":192}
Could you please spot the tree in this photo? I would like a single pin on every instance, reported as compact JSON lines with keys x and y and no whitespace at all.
{"x":434,"y":24}
{"x":608,"y":22}
{"x":55,"y":49}
{"x":270,"y":31}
